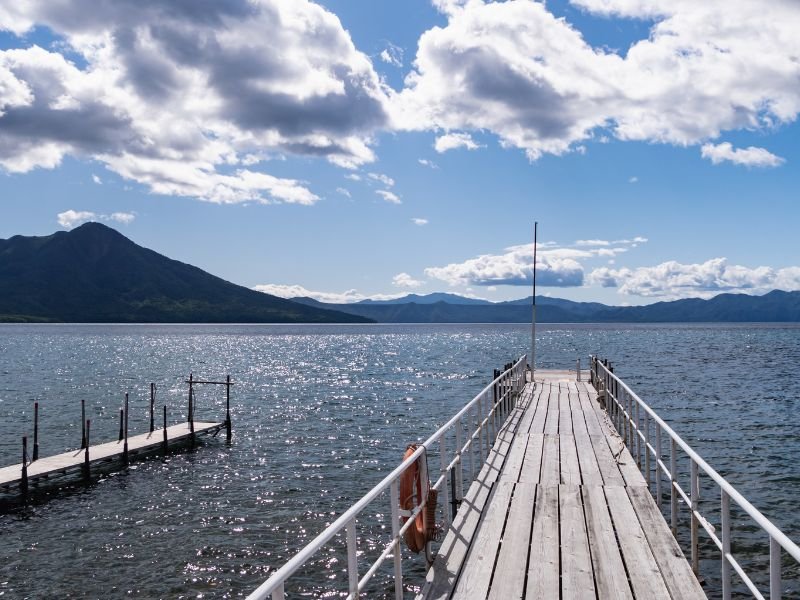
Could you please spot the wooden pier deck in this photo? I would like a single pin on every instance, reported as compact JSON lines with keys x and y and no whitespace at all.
{"x":75,"y":460}
{"x":559,"y":510}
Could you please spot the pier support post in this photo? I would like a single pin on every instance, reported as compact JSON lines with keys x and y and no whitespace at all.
{"x":228,"y":424}
{"x":86,"y":472}
{"x":83,"y":423}
{"x":152,"y":406}
{"x":121,"y":423}
{"x":125,"y":445}
{"x":35,"y":431}
{"x":165,"y":430}
{"x":191,"y":406}
{"x":24,"y":482}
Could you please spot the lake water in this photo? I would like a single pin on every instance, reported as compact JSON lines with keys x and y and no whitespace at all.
{"x":320,"y":414}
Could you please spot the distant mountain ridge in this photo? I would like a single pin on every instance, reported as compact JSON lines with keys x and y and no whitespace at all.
{"x":95,"y":274}
{"x":775,"y":306}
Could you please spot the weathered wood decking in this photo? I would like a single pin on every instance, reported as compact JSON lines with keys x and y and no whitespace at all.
{"x":559,"y":510}
{"x":70,"y":462}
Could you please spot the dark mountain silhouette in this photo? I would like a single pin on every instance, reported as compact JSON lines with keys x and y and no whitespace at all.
{"x":776,"y":306}
{"x":95,"y":274}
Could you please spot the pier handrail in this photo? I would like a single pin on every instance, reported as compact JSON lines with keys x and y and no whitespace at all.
{"x":497,"y":398}
{"x":626,"y":413}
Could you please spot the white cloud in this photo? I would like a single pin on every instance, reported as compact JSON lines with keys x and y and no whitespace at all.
{"x":343,"y":192}
{"x":516,"y":70}
{"x":592,"y":243}
{"x":178,"y":97}
{"x":406,"y":281}
{"x":389,"y":196}
{"x":392,"y":55}
{"x":384,"y":179}
{"x":451,"y":141}
{"x":97,"y":179}
{"x":297,"y":291}
{"x":672,"y":280}
{"x":749,"y":157}
{"x":72,"y":218}
{"x":427,"y":163}
{"x":419,"y":221}
{"x":353,"y":177}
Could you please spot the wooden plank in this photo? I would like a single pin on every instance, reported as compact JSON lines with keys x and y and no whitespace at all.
{"x":590,"y":470}
{"x":543,"y":565}
{"x":675,"y":569}
{"x":643,"y":571}
{"x":609,"y":570}
{"x":627,"y":467}
{"x":568,"y":455}
{"x":531,"y":466}
{"x":537,"y":424}
{"x":477,"y":573}
{"x":551,"y":422}
{"x":565,"y":421}
{"x":550,"y":474}
{"x":509,"y":583}
{"x":576,"y":564}
{"x":515,"y":459}
{"x":606,"y":461}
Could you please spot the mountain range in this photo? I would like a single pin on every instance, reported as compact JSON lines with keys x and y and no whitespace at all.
{"x":95,"y":274}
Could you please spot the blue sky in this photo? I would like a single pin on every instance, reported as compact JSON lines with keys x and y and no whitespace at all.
{"x":349,"y":149}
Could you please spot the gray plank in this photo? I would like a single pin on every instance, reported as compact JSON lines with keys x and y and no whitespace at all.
{"x":675,"y":569}
{"x":590,"y":470}
{"x":478,"y":568}
{"x":606,"y":462}
{"x":645,"y":576}
{"x":509,"y":584}
{"x":577,"y":580}
{"x":568,"y":460}
{"x":531,"y":467}
{"x":609,"y":570}
{"x":543,"y":566}
{"x":550,"y":474}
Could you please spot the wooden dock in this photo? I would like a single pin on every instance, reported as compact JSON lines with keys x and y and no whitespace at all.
{"x":76,"y":461}
{"x":559,"y":510}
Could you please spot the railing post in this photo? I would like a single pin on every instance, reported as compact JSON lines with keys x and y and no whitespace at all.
{"x":673,"y":492}
{"x":83,"y":423}
{"x":394,"y":495}
{"x":775,"y":590}
{"x":125,"y":445}
{"x":24,"y":481}
{"x":478,"y":431}
{"x":352,"y":558}
{"x":659,"y":474}
{"x":86,"y":471}
{"x":445,"y":492}
{"x":278,"y":594}
{"x":152,"y":407}
{"x":694,"y":523}
{"x":578,"y":368}
{"x":638,"y":429}
{"x":726,"y":544}
{"x":647,"y":448}
{"x":458,"y":488}
{"x":35,"y":431}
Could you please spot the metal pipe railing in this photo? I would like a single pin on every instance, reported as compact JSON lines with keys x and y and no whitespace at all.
{"x":499,"y":396}
{"x":624,"y":406}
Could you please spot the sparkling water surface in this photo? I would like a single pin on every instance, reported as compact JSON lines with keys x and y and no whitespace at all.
{"x":320,"y":415}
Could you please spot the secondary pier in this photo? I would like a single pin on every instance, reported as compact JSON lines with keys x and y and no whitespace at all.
{"x":20,"y":477}
{"x":556,"y":505}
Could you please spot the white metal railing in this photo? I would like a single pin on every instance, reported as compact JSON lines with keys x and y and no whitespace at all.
{"x":488,"y":409}
{"x":632,"y":418}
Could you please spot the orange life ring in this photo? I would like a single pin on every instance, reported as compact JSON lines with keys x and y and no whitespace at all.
{"x":411,"y":494}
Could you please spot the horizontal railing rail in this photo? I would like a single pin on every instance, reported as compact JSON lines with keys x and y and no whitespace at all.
{"x":632,"y":418}
{"x":492,"y":405}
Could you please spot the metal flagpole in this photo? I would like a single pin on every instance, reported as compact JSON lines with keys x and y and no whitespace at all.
{"x":533,"y":301}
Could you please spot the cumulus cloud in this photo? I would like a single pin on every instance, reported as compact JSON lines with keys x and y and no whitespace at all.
{"x":178,"y":96}
{"x":516,"y":70}
{"x":72,"y":218}
{"x":380,"y":177}
{"x":343,"y":192}
{"x":97,"y":180}
{"x":298,"y":291}
{"x":451,"y":141}
{"x":556,"y":266}
{"x":392,"y":55}
{"x":405,"y":280}
{"x":749,"y":157}
{"x":419,"y":221}
{"x":389,"y":196}
{"x":672,"y":280}
{"x":427,"y":163}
